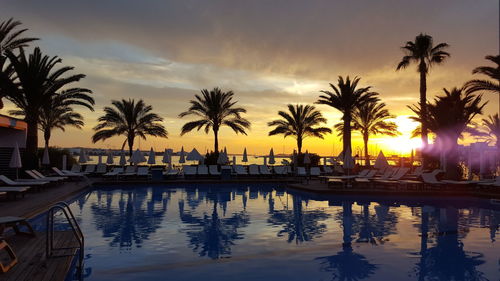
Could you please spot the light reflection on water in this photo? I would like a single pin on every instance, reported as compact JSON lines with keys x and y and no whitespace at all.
{"x":250,"y":232}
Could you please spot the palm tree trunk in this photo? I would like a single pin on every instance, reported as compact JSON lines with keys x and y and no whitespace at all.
{"x":423,"y":109}
{"x":299,"y":144}
{"x":346,"y":136}
{"x":130,"y":145}
{"x":31,"y":159}
{"x":367,"y":157}
{"x":46,"y":136}
{"x":216,"y":140}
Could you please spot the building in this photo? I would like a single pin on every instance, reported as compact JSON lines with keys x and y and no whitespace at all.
{"x":12,"y":131}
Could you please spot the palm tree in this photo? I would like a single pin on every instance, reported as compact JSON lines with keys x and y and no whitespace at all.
{"x":423,"y":52}
{"x":487,"y":85}
{"x":371,"y":119}
{"x":215,"y":109}
{"x":346,"y":97}
{"x":299,"y":122}
{"x":59,"y":112}
{"x":30,"y":83}
{"x":451,"y":115}
{"x":492,"y":126}
{"x":10,"y":39}
{"x":130,"y":119}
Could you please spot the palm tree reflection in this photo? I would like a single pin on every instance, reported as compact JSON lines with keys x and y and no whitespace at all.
{"x":132,"y":221}
{"x":447,"y":259}
{"x":210,"y":235}
{"x":298,"y":225}
{"x":347,"y":265}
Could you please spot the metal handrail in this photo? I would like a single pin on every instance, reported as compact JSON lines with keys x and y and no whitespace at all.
{"x":77,"y":232}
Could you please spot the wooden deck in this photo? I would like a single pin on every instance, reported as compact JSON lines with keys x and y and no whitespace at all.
{"x":37,"y":202}
{"x":33,"y":265}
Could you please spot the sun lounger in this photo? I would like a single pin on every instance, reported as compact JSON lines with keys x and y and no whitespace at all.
{"x":189,"y":170}
{"x":8,"y":181}
{"x":394,"y":179}
{"x":115,"y":172}
{"x":76,"y":168}
{"x":171,"y":173}
{"x":66,"y":173}
{"x":42,"y":176}
{"x":143,"y":172}
{"x":327,"y":170}
{"x":315,"y":172}
{"x":15,"y":223}
{"x":240,"y":170}
{"x":202,"y":170}
{"x":264,"y":170}
{"x":213,"y":170}
{"x":253,"y":170}
{"x":101,"y":169}
{"x":301,"y":172}
{"x":417,"y":172}
{"x":280,"y":170}
{"x":37,"y":178}
{"x":495,"y":182}
{"x":89,"y":169}
{"x":13,"y":191}
{"x":129,"y":171}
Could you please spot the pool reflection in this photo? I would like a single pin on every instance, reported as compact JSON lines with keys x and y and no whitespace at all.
{"x":346,"y":234}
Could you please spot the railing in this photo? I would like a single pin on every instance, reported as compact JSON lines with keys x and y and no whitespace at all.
{"x":77,"y":232}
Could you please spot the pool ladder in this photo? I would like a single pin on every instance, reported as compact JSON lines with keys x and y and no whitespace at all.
{"x":77,"y":232}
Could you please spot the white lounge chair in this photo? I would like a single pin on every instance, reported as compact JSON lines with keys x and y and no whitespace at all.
{"x":37,"y":178}
{"x":188,"y":170}
{"x":301,"y":172}
{"x":213,"y":170}
{"x":89,"y":169}
{"x":240,"y":170}
{"x":76,"y":168}
{"x":8,"y":181}
{"x":101,"y":169}
{"x":129,"y":171}
{"x":42,"y":176}
{"x":327,"y":170}
{"x":280,"y":170}
{"x":264,"y":170}
{"x":315,"y":172}
{"x":143,"y":172}
{"x":114,"y":172}
{"x":13,"y":191}
{"x":253,"y":170}
{"x":202,"y":170}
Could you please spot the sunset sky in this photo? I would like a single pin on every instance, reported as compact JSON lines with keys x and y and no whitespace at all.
{"x":270,"y":53}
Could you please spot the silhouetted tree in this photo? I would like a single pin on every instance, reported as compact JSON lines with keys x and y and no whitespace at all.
{"x":299,"y":122}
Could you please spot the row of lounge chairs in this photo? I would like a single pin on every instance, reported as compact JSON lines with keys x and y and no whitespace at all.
{"x":400,"y":177}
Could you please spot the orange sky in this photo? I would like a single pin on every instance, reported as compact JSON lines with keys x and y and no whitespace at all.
{"x":269,"y":54}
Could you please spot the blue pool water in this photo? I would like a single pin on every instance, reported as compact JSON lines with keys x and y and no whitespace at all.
{"x":264,"y":232}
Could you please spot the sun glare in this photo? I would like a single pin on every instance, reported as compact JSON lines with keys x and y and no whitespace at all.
{"x":402,"y":144}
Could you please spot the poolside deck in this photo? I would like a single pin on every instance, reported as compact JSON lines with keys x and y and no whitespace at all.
{"x":36,"y":202}
{"x":33,"y":265}
{"x":320,"y":187}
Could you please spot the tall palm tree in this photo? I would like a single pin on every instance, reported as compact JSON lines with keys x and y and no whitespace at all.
{"x":371,"y":119}
{"x":215,"y":109}
{"x":131,"y":119}
{"x":299,"y":122}
{"x":451,"y":115}
{"x":30,"y":82}
{"x":493,"y":73}
{"x":425,"y":54}
{"x":346,"y":97}
{"x":10,"y":39}
{"x":59,"y":112}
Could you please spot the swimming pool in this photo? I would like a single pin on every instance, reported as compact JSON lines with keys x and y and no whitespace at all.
{"x":264,"y":232}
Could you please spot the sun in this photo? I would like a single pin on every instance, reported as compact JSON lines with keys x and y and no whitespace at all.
{"x":404,"y":143}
